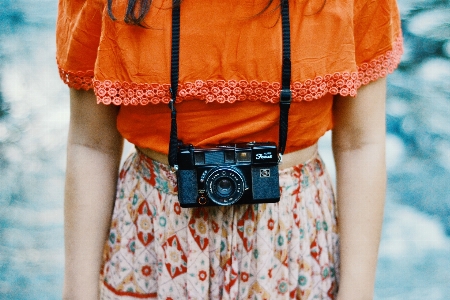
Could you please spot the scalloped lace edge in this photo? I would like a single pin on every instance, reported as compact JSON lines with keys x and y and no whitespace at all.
{"x":345,"y":84}
{"x":77,"y":80}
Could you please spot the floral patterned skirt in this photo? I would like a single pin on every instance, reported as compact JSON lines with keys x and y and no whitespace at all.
{"x":158,"y":250}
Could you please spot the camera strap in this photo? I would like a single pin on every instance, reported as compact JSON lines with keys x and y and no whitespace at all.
{"x":174,"y":72}
{"x":285,"y":93}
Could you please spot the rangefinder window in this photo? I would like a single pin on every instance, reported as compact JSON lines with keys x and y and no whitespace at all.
{"x":244,"y":156}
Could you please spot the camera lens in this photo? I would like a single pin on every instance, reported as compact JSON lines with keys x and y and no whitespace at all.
{"x":224,"y":185}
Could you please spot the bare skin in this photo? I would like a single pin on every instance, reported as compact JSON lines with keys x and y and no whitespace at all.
{"x":359,"y":152}
{"x":93,"y":156}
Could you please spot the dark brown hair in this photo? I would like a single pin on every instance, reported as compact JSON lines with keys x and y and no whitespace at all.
{"x":138,"y":9}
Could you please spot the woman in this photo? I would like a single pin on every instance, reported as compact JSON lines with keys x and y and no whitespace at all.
{"x":228,"y":91}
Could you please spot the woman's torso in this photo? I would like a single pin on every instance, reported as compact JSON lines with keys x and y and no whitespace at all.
{"x":230,"y":67}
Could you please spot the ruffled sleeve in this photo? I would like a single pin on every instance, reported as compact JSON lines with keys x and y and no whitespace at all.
{"x":378,"y":38}
{"x":78,"y":31}
{"x":335,"y":49}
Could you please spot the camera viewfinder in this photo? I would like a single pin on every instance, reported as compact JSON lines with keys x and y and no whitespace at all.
{"x":199,"y":158}
{"x":229,"y":157}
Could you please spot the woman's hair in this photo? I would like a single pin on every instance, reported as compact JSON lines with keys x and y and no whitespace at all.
{"x":138,"y":9}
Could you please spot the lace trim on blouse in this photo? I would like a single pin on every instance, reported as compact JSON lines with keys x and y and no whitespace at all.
{"x":345,"y":84}
{"x":77,"y":80}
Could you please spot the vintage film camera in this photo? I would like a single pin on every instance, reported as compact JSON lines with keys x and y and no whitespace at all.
{"x":245,"y":173}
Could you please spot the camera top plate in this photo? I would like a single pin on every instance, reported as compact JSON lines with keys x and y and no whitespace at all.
{"x":252,"y":153}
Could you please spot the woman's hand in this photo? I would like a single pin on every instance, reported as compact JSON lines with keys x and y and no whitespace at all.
{"x":93,"y":155}
{"x":359,"y":151}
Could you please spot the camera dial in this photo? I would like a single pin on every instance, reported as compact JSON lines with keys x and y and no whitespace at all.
{"x":224,"y":185}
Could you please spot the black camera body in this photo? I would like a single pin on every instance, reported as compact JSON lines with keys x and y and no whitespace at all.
{"x":244,"y":173}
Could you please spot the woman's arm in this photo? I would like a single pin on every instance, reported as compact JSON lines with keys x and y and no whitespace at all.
{"x":93,"y":155}
{"x":359,"y":151}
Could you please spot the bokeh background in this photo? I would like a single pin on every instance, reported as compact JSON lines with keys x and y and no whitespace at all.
{"x":415,"y":249}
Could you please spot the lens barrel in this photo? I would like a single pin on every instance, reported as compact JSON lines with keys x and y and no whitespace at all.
{"x":224,"y":185}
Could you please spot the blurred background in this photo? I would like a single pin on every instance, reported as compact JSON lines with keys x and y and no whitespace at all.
{"x":415,"y":249}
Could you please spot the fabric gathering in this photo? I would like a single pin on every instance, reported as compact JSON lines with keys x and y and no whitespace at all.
{"x":228,"y":92}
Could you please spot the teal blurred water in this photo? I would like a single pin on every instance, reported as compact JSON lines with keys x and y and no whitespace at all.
{"x":32,"y":138}
{"x":415,"y":250}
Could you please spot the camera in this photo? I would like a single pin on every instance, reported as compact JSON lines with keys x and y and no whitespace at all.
{"x":243,"y":173}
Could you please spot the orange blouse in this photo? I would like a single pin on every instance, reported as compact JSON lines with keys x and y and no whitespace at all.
{"x":230,"y":65}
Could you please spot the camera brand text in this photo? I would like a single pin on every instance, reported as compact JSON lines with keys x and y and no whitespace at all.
{"x":266,"y":155}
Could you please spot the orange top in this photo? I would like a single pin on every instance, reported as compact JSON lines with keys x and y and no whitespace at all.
{"x":230,"y":65}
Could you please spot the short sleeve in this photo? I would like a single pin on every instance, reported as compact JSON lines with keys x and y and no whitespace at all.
{"x":378,"y":38}
{"x":78,"y":31}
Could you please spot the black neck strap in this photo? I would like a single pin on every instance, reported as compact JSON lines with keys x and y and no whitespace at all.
{"x":285,"y":93}
{"x":174,"y":71}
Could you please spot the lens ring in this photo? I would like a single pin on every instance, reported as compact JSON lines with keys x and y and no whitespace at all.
{"x":224,"y":185}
